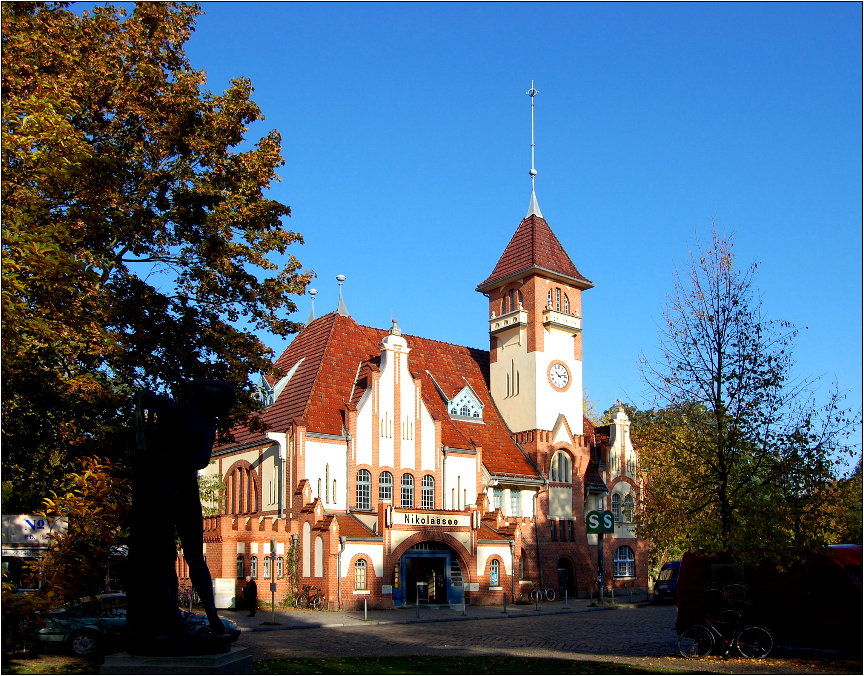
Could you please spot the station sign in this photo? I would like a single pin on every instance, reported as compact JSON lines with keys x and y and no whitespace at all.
{"x":435,"y":520}
{"x":599,"y":522}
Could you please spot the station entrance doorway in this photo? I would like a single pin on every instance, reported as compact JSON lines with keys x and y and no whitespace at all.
{"x":430,"y":573}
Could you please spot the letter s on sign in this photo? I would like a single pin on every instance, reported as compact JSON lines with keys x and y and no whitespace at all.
{"x":607,"y":520}
{"x":593,"y":521}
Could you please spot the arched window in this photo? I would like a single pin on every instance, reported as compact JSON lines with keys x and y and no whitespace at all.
{"x":494,"y":570}
{"x":549,"y":300}
{"x":625,"y":562}
{"x":627,"y":509}
{"x":253,"y":567}
{"x":280,"y":567}
{"x":360,"y":574}
{"x":515,"y":502}
{"x":497,"y":497}
{"x":407,"y":490}
{"x":566,"y":304}
{"x":242,"y":493}
{"x":427,"y":499}
{"x":557,"y":299}
{"x":241,"y":567}
{"x":385,"y":486}
{"x":364,"y":489}
{"x":562,"y":469}
{"x":512,"y":301}
{"x":319,"y":556}
{"x":307,"y":549}
{"x":266,"y":567}
{"x":616,"y":507}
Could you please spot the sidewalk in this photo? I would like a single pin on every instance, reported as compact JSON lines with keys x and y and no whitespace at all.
{"x":305,"y":619}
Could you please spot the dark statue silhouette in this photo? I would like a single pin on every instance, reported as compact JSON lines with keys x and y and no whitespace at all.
{"x":174,"y":439}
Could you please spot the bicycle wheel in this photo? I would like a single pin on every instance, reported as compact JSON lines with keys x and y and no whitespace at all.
{"x":754,"y":642}
{"x":536,"y":594}
{"x":550,"y":594}
{"x":315,"y":602}
{"x":695,"y":642}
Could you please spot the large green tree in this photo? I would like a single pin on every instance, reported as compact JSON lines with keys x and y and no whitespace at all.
{"x":139,"y":246}
{"x":738,"y":452}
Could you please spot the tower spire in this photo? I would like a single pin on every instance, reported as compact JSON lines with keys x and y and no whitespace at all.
{"x":533,"y":206}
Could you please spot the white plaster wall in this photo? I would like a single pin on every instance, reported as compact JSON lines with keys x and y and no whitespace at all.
{"x":363,"y":439}
{"x":486,"y":551}
{"x":519,"y":411}
{"x":428,"y":452}
{"x":408,"y":407}
{"x":318,"y":454}
{"x":538,"y":404}
{"x":464,"y":539}
{"x":386,"y":398}
{"x":550,"y":402}
{"x":461,"y":473}
{"x":373,"y":551}
{"x":560,"y":502}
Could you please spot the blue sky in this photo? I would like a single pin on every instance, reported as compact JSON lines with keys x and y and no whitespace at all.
{"x":406,"y":135}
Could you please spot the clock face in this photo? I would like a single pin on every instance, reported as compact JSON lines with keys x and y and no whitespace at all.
{"x":559,"y":376}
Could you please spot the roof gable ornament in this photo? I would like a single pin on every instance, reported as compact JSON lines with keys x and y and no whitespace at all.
{"x":341,"y":310}
{"x":533,"y":206}
{"x":311,"y":318}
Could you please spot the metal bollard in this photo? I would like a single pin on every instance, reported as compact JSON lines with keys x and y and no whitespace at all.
{"x":505,"y":602}
{"x":365,"y":610}
{"x":566,"y":603}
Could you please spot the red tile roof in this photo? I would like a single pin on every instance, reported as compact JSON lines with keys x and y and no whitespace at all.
{"x":534,"y":247}
{"x":338,"y":356}
{"x":351,"y":526}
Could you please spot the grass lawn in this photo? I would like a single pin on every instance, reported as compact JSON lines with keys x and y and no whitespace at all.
{"x":488,"y":664}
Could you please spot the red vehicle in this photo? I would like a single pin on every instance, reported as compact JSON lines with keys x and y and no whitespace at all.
{"x":807,"y":599}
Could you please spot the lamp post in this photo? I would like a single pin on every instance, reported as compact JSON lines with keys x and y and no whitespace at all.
{"x":272,"y":581}
{"x":513,"y":571}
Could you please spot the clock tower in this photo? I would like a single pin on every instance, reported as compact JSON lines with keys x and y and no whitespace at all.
{"x":535,"y":329}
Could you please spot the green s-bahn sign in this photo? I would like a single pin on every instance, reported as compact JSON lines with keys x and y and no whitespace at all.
{"x":599,"y":522}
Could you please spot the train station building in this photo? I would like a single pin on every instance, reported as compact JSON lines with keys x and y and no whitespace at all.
{"x":389,"y":468}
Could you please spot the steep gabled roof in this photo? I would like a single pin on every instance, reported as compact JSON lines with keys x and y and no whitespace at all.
{"x":338,"y":356}
{"x":534,"y":248}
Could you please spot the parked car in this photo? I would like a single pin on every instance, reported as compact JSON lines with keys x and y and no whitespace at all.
{"x":666,"y":586}
{"x":92,"y":625}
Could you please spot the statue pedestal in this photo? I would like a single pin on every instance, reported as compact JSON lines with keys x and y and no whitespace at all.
{"x":237,"y":661}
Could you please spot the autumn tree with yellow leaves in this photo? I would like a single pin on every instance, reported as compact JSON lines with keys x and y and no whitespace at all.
{"x":139,"y":246}
{"x":737,"y":453}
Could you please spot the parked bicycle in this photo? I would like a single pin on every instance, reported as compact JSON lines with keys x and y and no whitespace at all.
{"x":187,"y":597}
{"x":540,"y":593}
{"x":310,"y":597}
{"x":725,"y":630}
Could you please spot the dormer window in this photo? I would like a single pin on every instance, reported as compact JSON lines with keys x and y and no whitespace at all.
{"x":465,"y":406}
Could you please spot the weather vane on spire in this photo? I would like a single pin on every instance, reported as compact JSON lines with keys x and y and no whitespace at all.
{"x":533,"y":207}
